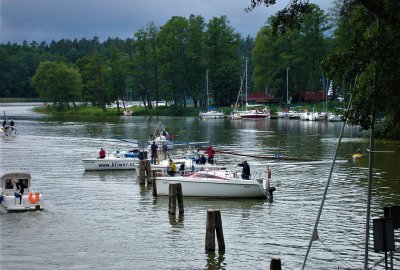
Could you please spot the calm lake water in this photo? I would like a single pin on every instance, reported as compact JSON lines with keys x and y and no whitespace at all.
{"x":105,"y":220}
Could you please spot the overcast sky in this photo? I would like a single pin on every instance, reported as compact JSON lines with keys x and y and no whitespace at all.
{"x":46,"y":20}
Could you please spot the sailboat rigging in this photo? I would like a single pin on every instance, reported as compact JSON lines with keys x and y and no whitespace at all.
{"x":210,"y":114}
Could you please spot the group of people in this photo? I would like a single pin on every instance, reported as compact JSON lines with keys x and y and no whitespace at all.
{"x":199,"y":159}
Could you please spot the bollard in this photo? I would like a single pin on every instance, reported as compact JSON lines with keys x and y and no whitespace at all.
{"x":214,"y":226}
{"x":154,"y":184}
{"x":275,"y":264}
{"x":142,"y":172}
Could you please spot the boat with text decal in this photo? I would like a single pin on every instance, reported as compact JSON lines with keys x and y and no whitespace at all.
{"x":117,"y":160}
{"x":16,"y":194}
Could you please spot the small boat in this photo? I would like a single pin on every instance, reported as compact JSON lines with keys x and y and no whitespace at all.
{"x":332,"y":117}
{"x":255,"y":114}
{"x":216,"y":183}
{"x":124,"y":160}
{"x":128,"y":113}
{"x":13,"y":201}
{"x":8,"y":128}
{"x":161,"y":136}
{"x":212,"y":115}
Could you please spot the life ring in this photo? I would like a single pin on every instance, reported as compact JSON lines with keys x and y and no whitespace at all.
{"x":34,"y":197}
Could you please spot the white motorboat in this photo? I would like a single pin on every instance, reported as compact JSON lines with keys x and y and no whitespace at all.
{"x":332,"y":117}
{"x":212,"y":115}
{"x":216,"y":183}
{"x":16,"y":194}
{"x":125,"y":160}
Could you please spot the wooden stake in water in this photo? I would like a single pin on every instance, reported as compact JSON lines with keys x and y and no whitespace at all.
{"x":214,"y":226}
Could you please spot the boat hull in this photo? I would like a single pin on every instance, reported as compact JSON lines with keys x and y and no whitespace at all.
{"x":212,"y":115}
{"x":207,"y":187}
{"x":11,"y":204}
{"x":97,"y":164}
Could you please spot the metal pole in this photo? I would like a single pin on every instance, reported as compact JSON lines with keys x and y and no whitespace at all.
{"x":371,"y":155}
{"x":287,"y":86}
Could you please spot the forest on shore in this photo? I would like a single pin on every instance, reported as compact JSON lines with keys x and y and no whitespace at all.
{"x":301,"y":48}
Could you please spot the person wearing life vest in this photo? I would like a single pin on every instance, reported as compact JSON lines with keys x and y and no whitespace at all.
{"x":102,"y":153}
{"x":171,"y":170}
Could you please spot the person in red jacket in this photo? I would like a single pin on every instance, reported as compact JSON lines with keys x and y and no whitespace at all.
{"x":210,"y":152}
{"x":102,"y":153}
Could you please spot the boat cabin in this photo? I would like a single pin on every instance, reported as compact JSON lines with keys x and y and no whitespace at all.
{"x":9,"y":180}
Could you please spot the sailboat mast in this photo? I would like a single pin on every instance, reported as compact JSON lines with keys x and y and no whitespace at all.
{"x":246,"y":84}
{"x":208,"y":101}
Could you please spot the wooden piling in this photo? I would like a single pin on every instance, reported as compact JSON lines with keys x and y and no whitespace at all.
{"x":214,"y":227}
{"x":219,"y":231}
{"x":210,"y":231}
{"x":154,"y":184}
{"x":275,"y":264}
{"x":172,"y":199}
{"x":142,"y":173}
{"x":175,"y":192}
{"x":180,"y":198}
{"x":148,"y":171}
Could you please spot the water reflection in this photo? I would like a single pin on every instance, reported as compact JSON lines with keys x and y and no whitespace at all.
{"x":215,"y":261}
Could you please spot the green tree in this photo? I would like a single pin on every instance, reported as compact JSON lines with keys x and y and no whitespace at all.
{"x":223,"y":44}
{"x":96,"y":79}
{"x":58,"y":83}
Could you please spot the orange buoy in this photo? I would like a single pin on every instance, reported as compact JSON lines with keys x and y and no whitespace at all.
{"x":34,"y":197}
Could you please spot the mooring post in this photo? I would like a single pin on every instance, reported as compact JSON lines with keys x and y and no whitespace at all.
{"x":180,"y":198}
{"x":148,"y":171}
{"x":154,"y":184}
{"x":172,"y":199}
{"x":142,"y":172}
{"x":219,"y":231}
{"x":210,"y":231}
{"x":275,"y":264}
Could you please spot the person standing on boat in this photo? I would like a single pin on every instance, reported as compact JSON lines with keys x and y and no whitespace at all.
{"x":18,"y":190}
{"x":245,"y":170}
{"x":164,"y":149}
{"x":102,"y":153}
{"x":154,"y":149}
{"x":210,"y":152}
{"x":358,"y":151}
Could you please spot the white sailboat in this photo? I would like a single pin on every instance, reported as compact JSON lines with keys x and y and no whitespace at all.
{"x":249,"y":114}
{"x":210,"y":114}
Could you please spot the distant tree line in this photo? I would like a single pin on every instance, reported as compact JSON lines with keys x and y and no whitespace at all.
{"x":169,"y":62}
